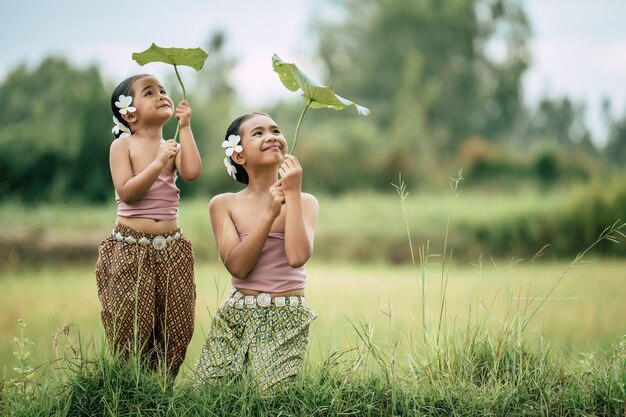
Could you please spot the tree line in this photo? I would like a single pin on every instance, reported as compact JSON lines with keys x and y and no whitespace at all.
{"x":440,"y":101}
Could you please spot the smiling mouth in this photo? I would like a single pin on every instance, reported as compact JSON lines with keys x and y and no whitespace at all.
{"x":272,"y":148}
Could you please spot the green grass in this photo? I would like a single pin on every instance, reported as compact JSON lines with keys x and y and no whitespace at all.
{"x":359,"y":227}
{"x":368,"y":355}
{"x":443,"y":337}
{"x":584,"y":314}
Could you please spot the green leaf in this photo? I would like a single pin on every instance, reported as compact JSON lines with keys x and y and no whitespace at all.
{"x":190,"y":57}
{"x":319,"y":96}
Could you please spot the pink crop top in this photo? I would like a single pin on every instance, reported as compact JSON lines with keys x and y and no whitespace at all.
{"x":272,"y":272}
{"x":159,"y":203}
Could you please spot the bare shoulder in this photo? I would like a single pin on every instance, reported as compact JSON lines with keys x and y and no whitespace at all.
{"x":306,"y":197}
{"x":119,"y":145}
{"x":310,"y":200}
{"x":221,"y":201}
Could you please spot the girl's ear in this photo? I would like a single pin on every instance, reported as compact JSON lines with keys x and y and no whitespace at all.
{"x":238,"y":158}
{"x":130,"y":117}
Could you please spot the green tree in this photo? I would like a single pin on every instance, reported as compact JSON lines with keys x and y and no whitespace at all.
{"x":51,"y":136}
{"x":561,"y":122}
{"x":428,"y":64}
{"x":615,"y":150}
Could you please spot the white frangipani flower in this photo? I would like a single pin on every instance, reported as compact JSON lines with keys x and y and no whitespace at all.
{"x":124,"y":104}
{"x":119,"y":127}
{"x":232,"y":145}
{"x":230,"y":168}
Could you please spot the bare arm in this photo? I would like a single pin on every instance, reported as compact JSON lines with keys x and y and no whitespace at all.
{"x":132,"y":188}
{"x":188,"y":162}
{"x":301,"y":212}
{"x":240,"y":256}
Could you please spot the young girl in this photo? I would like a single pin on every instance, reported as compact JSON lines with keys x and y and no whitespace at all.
{"x":264,"y":235}
{"x":145,"y":271}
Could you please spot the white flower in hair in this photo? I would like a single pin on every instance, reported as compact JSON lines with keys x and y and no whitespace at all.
{"x":124,"y":104}
{"x":230,"y":168}
{"x":119,"y":127}
{"x":232,"y":145}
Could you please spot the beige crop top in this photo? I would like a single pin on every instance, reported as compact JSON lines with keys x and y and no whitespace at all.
{"x":272,"y":272}
{"x":159,"y":203}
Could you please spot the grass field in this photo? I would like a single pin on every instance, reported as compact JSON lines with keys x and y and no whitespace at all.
{"x":474,"y":336}
{"x":584,"y":314}
{"x":363,"y":227}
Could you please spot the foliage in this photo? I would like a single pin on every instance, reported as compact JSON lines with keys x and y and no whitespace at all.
{"x":193,"y":58}
{"x":54,"y":139}
{"x":615,"y":150}
{"x":427,"y":64}
{"x":316,"y":95}
{"x":444,"y":100}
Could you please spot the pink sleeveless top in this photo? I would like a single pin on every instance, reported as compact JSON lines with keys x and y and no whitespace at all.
{"x":159,"y":203}
{"x":272,"y":272}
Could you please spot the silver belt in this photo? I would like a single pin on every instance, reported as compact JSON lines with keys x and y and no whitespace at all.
{"x":158,"y":242}
{"x":238,"y":300}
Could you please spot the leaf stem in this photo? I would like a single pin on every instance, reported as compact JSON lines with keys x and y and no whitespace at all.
{"x":184,"y":97}
{"x":181,"y":82}
{"x":295,"y":137}
{"x":177,"y":130}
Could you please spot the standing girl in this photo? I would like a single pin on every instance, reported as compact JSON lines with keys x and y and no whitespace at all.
{"x":264,"y":235}
{"x":145,"y":270}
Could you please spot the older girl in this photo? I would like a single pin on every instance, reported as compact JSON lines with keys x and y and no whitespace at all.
{"x":264,"y":235}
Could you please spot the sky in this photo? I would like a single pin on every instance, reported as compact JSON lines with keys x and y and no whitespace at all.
{"x":578,"y":47}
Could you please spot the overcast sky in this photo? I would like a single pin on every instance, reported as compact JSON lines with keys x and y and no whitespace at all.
{"x":578,"y":48}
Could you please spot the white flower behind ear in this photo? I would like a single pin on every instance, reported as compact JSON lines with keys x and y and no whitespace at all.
{"x":230,"y":168}
{"x":124,"y":104}
{"x":232,"y":145}
{"x":119,"y":127}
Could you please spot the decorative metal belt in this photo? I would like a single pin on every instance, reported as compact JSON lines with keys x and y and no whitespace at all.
{"x":238,"y":300}
{"x":158,"y":242}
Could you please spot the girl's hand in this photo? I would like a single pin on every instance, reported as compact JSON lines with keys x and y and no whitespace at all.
{"x":183,"y":113}
{"x":167,"y":151}
{"x":291,"y":174}
{"x":277,"y":198}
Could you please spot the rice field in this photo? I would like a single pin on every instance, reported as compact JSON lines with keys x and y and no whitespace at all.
{"x":581,"y":313}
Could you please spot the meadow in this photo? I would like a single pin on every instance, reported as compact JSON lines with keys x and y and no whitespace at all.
{"x":584,"y":314}
{"x":466,"y":327}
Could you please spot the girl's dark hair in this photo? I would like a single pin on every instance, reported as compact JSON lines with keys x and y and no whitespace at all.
{"x":241,"y":175}
{"x":125,"y":88}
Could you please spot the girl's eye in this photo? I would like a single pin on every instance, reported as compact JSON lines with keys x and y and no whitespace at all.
{"x":163,"y":92}
{"x":148,"y":93}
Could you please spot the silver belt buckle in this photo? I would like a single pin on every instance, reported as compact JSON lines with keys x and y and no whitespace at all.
{"x":264,"y":299}
{"x":159,"y":242}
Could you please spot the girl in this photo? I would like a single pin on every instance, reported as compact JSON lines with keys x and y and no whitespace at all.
{"x":145,"y":272}
{"x":264,"y":235}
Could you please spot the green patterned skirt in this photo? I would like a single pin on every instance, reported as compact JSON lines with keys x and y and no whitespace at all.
{"x":267,"y":342}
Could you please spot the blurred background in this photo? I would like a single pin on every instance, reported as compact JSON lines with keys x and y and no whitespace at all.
{"x":518,"y":105}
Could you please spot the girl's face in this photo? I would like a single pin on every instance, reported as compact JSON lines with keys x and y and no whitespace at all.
{"x":151,"y":100}
{"x":262,"y":138}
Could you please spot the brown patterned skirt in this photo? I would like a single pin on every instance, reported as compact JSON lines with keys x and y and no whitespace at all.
{"x":148,"y":295}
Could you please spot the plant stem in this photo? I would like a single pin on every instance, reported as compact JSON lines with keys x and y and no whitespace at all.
{"x":181,"y":82}
{"x":295,"y":137}
{"x":184,"y":97}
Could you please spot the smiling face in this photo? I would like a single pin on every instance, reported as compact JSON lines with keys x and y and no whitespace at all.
{"x":262,"y":140}
{"x":151,"y":100}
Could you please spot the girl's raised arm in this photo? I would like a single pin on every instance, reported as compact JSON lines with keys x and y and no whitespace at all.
{"x":188,"y":162}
